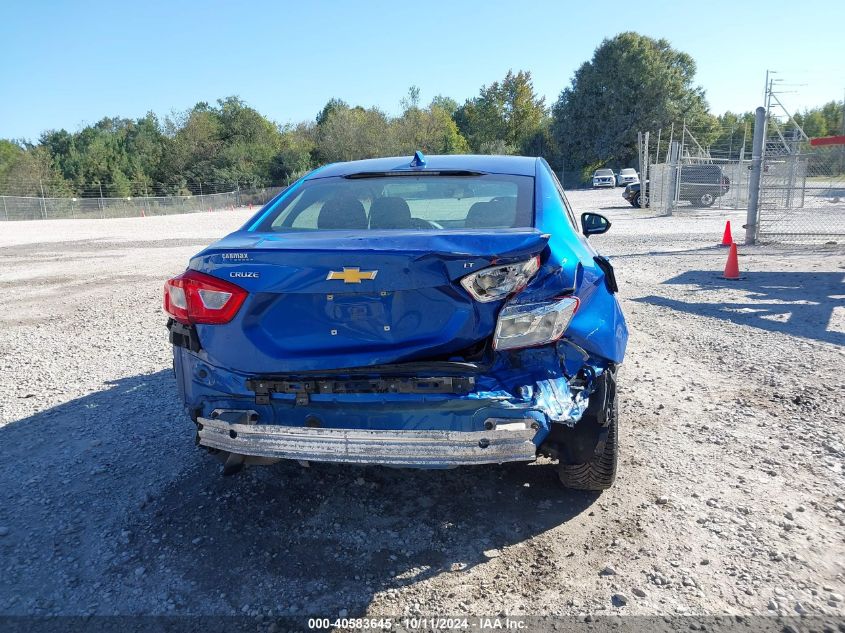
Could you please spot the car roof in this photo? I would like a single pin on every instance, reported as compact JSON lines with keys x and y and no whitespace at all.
{"x":513,"y":165}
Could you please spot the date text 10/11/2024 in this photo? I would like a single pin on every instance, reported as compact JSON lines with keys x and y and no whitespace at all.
{"x":419,"y":623}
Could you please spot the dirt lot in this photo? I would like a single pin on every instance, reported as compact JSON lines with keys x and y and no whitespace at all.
{"x":729,"y":499}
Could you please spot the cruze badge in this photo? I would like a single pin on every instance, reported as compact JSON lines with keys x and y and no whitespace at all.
{"x":351,"y":275}
{"x":244,"y":275}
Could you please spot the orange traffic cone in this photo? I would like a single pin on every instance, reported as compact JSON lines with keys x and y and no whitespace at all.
{"x":732,"y":265}
{"x":727,"y":238}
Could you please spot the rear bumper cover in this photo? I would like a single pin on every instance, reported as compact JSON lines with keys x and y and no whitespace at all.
{"x":507,"y":440}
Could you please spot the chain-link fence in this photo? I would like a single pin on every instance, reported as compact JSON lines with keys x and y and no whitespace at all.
{"x":698,"y":184}
{"x":802,"y":187}
{"x":687,"y":175}
{"x":51,"y":208}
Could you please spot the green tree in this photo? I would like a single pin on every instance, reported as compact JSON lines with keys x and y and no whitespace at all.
{"x":353,"y":133}
{"x":10,"y":154}
{"x":34,"y":173}
{"x":249,"y":143}
{"x":430,"y":130}
{"x":504,"y":116}
{"x":823,"y":121}
{"x":331,"y":105}
{"x":633,"y":83}
{"x":295,"y":157}
{"x":447,"y":104}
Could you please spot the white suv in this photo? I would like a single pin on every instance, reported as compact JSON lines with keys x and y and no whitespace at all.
{"x":604,"y":178}
{"x":627,"y":176}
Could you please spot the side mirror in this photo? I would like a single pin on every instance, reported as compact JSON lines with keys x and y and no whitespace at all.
{"x":594,"y":224}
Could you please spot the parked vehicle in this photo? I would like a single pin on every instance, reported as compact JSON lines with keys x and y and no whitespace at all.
{"x":604,"y":178}
{"x":627,"y":176}
{"x":430,"y":313}
{"x":632,"y":194}
{"x":700,"y":185}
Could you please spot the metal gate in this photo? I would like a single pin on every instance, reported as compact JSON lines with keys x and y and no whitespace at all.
{"x":692,"y":178}
{"x":802,"y":187}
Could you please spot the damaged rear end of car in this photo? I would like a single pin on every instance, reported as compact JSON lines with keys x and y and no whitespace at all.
{"x":430,"y":316}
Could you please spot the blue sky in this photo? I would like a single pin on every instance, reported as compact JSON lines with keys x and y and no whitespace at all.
{"x":67,"y":64}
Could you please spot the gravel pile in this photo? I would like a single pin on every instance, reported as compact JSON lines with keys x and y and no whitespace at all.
{"x":729,"y":499}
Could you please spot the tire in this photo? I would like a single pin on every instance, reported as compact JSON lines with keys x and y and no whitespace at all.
{"x":600,"y":472}
{"x":635,"y":201}
{"x":704,"y":200}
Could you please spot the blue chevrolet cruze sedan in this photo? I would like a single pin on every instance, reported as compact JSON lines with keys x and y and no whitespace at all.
{"x":417,"y":311}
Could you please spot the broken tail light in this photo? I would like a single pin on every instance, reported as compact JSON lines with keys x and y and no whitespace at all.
{"x":532,"y":324}
{"x":195,"y":297}
{"x":497,"y":282}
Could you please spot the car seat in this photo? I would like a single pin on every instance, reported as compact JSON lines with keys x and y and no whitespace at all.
{"x":490,"y":215}
{"x":390,"y":213}
{"x":342,"y":212}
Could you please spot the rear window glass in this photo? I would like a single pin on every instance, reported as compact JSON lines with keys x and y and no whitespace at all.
{"x":488,"y":201}
{"x":604,"y":172}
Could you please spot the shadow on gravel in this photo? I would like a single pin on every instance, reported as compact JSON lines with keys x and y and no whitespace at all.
{"x":294,"y":540}
{"x":111,"y":508}
{"x":796,"y":303}
{"x":684,"y":251}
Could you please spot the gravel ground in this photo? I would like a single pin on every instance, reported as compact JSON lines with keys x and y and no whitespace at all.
{"x":729,"y":498}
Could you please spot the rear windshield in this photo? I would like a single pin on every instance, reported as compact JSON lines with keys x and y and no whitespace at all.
{"x":604,"y":172}
{"x":628,"y":172}
{"x":488,"y":201}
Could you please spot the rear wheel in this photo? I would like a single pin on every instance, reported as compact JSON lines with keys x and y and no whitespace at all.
{"x":704,"y":200}
{"x":599,"y":472}
{"x":635,"y":201}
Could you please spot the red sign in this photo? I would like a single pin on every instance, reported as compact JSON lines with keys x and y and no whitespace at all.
{"x":827,"y":140}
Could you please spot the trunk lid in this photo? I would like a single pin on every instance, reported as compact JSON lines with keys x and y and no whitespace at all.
{"x":323,"y":300}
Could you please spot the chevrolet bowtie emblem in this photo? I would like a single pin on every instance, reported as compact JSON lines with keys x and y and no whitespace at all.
{"x":351,"y":275}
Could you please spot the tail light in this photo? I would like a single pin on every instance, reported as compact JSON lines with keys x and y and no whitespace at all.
{"x":497,"y":282}
{"x":532,"y":324}
{"x":194,"y":297}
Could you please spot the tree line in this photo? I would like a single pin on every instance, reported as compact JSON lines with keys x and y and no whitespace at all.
{"x":632,"y":83}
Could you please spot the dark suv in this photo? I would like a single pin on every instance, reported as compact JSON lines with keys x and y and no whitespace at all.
{"x":700,"y":185}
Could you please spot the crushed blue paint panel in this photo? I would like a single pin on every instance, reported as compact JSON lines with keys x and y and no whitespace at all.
{"x":556,"y":400}
{"x":528,"y":383}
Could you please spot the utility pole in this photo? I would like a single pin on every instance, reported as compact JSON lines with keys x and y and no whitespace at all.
{"x":753,"y":215}
{"x":642,"y":148}
{"x":842,"y":149}
{"x":766,"y":88}
{"x":43,"y":201}
{"x":657,"y":149}
{"x":671,"y":138}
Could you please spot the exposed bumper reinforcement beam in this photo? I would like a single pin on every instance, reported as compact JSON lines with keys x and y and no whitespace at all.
{"x":509,"y":441}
